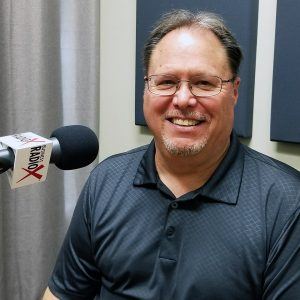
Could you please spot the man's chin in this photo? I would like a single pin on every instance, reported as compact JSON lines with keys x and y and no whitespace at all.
{"x":184,"y":150}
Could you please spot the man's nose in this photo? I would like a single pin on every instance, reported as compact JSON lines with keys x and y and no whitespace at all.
{"x":183,"y":97}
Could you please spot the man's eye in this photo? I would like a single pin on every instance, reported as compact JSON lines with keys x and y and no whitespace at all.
{"x":202,"y":83}
{"x":166,"y":82}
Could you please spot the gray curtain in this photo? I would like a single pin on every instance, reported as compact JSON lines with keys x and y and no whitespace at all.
{"x":49,"y":77}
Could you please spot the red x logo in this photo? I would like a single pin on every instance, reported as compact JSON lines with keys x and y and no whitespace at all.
{"x":34,"y":140}
{"x":33,"y":173}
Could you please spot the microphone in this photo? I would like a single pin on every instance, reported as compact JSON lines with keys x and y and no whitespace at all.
{"x":26,"y":156}
{"x":74,"y":147}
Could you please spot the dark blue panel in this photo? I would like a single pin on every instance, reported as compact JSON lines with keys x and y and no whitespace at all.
{"x":285,"y":115}
{"x":240,"y":16}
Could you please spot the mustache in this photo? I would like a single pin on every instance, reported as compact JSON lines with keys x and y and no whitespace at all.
{"x":195,"y":115}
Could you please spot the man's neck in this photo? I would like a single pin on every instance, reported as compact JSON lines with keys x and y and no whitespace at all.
{"x":185,"y":174}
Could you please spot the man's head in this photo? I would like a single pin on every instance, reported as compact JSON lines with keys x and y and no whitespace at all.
{"x":192,"y":107}
{"x":206,"y":20}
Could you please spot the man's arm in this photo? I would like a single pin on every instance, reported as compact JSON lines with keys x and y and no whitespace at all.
{"x":282,"y":275}
{"x":76,"y":274}
{"x":48,"y":295}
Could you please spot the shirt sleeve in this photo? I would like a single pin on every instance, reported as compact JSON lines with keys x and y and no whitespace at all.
{"x":75,"y":275}
{"x":282,"y":276}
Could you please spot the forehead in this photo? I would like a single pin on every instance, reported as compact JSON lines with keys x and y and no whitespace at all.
{"x":190,"y":49}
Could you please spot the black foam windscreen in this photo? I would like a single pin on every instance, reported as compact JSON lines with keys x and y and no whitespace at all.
{"x":79,"y":146}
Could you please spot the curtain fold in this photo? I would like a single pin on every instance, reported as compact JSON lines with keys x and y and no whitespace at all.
{"x":49,"y":77}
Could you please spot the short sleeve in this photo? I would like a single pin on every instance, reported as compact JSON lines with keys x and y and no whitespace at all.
{"x":282,"y":276}
{"x":75,"y":275}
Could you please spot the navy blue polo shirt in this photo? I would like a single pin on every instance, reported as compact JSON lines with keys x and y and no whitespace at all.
{"x":236,"y":237}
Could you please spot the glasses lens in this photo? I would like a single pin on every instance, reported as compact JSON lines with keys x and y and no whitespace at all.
{"x":162,"y":84}
{"x":205,"y":85}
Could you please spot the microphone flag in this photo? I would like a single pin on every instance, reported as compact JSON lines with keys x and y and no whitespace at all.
{"x":32,"y":158}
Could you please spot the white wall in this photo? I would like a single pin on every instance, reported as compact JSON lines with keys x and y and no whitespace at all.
{"x":117,"y":78}
{"x":117,"y":65}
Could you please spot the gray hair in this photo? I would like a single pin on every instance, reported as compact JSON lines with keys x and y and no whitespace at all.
{"x":183,"y":18}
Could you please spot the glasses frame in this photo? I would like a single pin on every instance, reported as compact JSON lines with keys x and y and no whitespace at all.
{"x":147,"y":79}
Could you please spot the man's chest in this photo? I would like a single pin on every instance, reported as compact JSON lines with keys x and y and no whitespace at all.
{"x":195,"y":251}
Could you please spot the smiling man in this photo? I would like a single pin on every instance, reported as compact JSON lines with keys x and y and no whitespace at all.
{"x":189,"y":104}
{"x":194,"y":215}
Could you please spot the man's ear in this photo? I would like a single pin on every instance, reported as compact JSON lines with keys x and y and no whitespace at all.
{"x":236,"y":85}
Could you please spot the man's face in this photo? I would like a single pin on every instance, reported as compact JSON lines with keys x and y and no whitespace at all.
{"x":183,"y":124}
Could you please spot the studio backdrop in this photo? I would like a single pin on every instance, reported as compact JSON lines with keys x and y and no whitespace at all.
{"x":49,"y":77}
{"x":241,"y":17}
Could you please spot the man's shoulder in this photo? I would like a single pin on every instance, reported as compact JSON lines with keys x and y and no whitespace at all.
{"x":127,"y":156}
{"x":276,"y":184}
{"x":270,"y":165}
{"x":116,"y":163}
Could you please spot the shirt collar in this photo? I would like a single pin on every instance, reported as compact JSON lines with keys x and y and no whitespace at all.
{"x":146,"y":173}
{"x":223,"y":185}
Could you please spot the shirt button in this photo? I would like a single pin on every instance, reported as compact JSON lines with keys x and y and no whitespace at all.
{"x":170,"y":231}
{"x":174,"y":205}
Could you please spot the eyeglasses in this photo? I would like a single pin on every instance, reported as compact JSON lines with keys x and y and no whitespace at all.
{"x":200,"y":85}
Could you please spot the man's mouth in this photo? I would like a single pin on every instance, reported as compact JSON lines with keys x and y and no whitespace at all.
{"x":184,"y":122}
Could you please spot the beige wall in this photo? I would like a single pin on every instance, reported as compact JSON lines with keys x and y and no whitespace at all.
{"x":117,"y":65}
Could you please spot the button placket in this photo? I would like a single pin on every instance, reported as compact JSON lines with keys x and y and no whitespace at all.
{"x":170,"y":230}
{"x":169,"y":244}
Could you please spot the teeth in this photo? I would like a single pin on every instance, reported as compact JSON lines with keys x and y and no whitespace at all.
{"x":185,"y":122}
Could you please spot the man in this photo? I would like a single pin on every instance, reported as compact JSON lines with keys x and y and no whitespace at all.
{"x":194,"y":215}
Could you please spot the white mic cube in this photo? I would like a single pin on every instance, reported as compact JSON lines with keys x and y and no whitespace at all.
{"x":32,"y":158}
